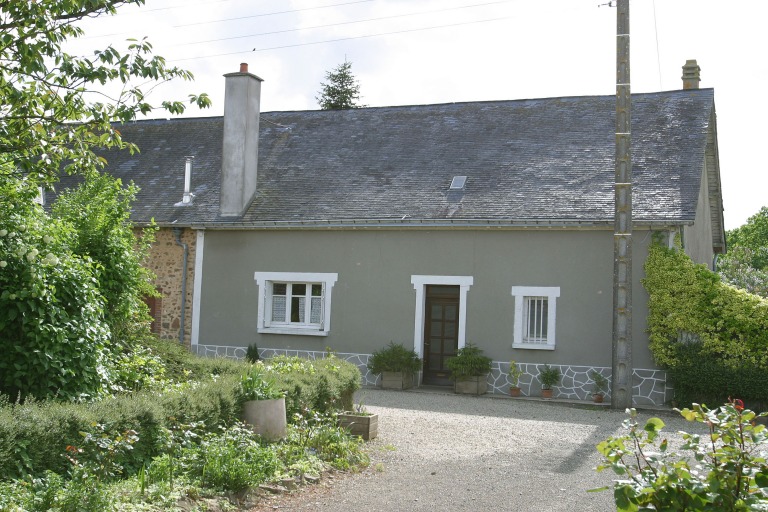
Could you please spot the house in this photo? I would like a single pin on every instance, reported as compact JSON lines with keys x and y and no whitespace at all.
{"x":431,"y":225}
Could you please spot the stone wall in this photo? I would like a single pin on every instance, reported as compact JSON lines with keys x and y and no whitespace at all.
{"x":166,"y":259}
{"x":649,"y":386}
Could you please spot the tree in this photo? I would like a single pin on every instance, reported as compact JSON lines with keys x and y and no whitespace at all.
{"x":753,"y":235}
{"x":745,"y":265}
{"x":49,"y":113}
{"x":342,"y":90}
{"x":58,"y":273}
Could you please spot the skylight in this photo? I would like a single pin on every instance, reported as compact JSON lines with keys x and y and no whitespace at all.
{"x":458,"y":182}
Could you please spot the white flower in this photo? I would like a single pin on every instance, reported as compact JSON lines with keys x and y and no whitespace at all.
{"x":47,"y":239}
{"x":3,"y":232}
{"x":3,"y":264}
{"x":51,"y":259}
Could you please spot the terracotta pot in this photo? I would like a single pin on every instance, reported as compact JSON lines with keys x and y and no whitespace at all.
{"x":514,"y":391}
{"x":546,"y":394}
{"x":597,"y":398}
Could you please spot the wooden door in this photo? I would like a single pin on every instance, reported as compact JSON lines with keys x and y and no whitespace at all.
{"x":441,"y":332}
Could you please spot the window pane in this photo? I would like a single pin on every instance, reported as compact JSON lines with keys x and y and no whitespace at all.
{"x":297,"y":309}
{"x":278,"y":309}
{"x":449,"y":329}
{"x":279,"y":288}
{"x":450,"y":312}
{"x":437,"y":311}
{"x":298,"y":289}
{"x":536,"y":311}
{"x":317,"y":306}
{"x":317,"y":290}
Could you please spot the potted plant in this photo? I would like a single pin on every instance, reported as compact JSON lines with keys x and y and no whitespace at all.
{"x":360,"y":422}
{"x":469,"y":370}
{"x":514,"y":378}
{"x":599,"y":387}
{"x":549,"y":377}
{"x":396,"y":365}
{"x":263,"y":404}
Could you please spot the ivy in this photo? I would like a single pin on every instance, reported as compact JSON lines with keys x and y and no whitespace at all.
{"x":696,"y":321}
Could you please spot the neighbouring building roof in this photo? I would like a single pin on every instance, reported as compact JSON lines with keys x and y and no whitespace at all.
{"x":526,"y":161}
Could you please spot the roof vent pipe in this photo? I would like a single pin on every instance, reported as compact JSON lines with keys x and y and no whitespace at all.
{"x":187,"y":179}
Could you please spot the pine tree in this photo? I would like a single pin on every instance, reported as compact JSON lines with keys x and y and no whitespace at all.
{"x":342,"y":90}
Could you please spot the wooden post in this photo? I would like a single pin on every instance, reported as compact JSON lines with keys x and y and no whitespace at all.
{"x":621,"y":386}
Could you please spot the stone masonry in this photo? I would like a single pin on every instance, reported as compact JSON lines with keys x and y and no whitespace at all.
{"x":166,"y":259}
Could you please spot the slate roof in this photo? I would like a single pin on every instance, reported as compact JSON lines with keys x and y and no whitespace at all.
{"x":527,"y":161}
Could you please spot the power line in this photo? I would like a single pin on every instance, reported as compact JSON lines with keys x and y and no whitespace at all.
{"x":228,"y":19}
{"x":658,"y":55}
{"x":344,"y":23}
{"x":340,"y":39}
{"x":270,"y":13}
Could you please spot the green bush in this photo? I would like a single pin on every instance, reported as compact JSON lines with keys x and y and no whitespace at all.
{"x":698,"y":325}
{"x":230,"y":460}
{"x":394,"y":358}
{"x":52,"y":324}
{"x":469,"y":362}
{"x":34,"y":436}
{"x":320,"y":385}
{"x":722,"y":471}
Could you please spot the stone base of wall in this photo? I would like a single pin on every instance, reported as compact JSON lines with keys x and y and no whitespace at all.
{"x":649,"y":385}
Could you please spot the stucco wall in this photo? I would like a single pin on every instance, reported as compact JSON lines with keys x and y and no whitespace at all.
{"x":373,"y":301}
{"x":166,"y":258}
{"x":698,"y":238}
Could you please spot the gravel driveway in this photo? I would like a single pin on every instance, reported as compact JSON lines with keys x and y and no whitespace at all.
{"x":438,"y":451}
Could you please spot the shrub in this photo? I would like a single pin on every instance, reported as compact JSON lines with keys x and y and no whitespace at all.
{"x":394,"y":358}
{"x":51,"y":311}
{"x":726,"y":469}
{"x":230,"y":460}
{"x":320,"y":385}
{"x":469,"y":362}
{"x":99,"y":210}
{"x":34,"y":435}
{"x":693,"y":316}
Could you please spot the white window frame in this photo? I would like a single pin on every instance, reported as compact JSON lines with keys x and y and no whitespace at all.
{"x":521,"y":294}
{"x":420,"y":283}
{"x":264,"y":281}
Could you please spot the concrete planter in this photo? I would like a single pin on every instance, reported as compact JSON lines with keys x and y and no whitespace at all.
{"x":366,"y":427}
{"x":266,"y":418}
{"x":396,"y":380}
{"x":475,"y":385}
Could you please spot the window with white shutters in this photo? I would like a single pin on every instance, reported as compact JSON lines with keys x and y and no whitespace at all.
{"x":294,"y":302}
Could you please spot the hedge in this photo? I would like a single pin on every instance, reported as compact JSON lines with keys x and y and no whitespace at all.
{"x":34,"y":435}
{"x":711,"y":338}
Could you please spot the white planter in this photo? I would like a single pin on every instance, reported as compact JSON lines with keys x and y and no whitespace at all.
{"x":266,"y":418}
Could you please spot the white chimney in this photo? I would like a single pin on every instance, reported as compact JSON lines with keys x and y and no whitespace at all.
{"x":240,"y":150}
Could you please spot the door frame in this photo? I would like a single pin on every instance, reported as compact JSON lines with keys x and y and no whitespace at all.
{"x":420,"y":283}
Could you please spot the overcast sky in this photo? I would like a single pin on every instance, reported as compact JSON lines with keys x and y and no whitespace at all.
{"x":406,"y":52}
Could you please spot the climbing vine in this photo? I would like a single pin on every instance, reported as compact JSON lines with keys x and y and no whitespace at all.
{"x":711,"y":337}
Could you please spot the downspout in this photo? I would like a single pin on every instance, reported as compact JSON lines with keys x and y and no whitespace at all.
{"x":177,"y":233}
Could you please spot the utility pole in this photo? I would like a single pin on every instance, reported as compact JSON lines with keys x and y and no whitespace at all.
{"x":621,"y":385}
